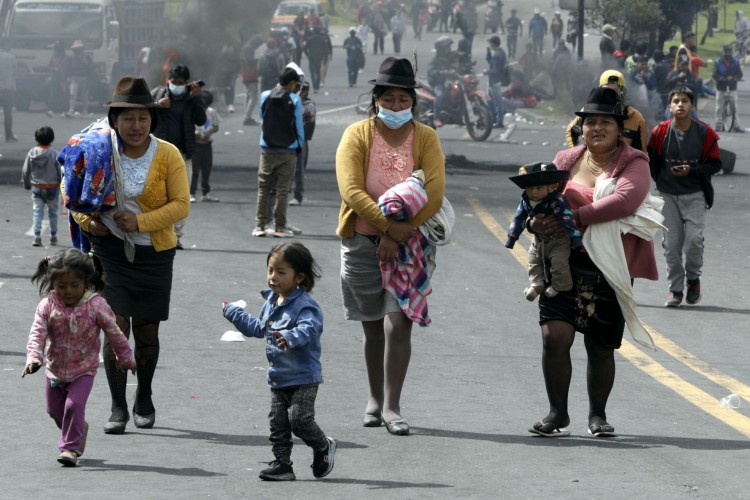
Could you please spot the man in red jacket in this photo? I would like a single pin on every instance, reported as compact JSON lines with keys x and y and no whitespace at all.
{"x":683,"y":155}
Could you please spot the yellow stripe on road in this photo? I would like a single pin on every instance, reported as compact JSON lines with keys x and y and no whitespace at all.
{"x":694,"y":395}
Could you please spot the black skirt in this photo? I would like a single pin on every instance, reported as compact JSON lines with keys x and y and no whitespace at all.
{"x":591,"y":306}
{"x":141,"y":289}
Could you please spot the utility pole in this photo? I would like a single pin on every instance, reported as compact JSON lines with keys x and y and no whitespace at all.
{"x":580,"y":29}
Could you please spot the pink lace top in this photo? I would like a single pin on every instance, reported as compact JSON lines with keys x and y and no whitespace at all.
{"x":388,"y":166}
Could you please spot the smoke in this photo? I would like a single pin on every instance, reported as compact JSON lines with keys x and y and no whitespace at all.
{"x":207,"y":36}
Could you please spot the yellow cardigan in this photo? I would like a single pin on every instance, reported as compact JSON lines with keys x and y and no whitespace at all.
{"x":352,"y":159}
{"x":165,"y":198}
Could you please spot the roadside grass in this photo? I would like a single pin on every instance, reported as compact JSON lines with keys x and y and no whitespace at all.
{"x":713,"y":46}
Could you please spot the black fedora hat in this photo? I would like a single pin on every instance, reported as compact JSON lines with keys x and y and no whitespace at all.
{"x":538,"y":174}
{"x":131,"y":92}
{"x":603,"y":101}
{"x":396,"y":73}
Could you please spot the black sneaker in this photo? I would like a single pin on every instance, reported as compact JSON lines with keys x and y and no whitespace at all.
{"x":693,"y":291}
{"x":278,"y":471}
{"x":323,"y":459}
{"x":674,"y":299}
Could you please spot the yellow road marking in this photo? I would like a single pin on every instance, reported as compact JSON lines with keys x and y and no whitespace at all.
{"x":694,"y":395}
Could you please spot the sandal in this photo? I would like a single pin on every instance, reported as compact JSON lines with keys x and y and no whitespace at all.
{"x":602,"y":430}
{"x":549,"y":429}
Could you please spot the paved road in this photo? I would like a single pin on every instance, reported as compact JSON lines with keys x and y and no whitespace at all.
{"x":474,"y":385}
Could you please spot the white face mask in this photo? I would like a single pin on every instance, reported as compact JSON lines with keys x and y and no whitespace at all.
{"x":177,"y":89}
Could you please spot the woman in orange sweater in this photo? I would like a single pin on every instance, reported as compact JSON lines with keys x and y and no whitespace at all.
{"x":154,"y":194}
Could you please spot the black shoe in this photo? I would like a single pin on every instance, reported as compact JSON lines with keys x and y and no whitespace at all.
{"x":249,"y":121}
{"x":323,"y":459}
{"x":278,"y":471}
{"x":693,"y":291}
{"x":179,"y":246}
{"x":12,"y":138}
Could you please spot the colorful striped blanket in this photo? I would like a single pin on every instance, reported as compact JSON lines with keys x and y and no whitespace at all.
{"x":407,"y":276}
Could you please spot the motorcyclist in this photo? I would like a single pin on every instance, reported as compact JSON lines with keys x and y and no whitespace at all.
{"x":441,"y":67}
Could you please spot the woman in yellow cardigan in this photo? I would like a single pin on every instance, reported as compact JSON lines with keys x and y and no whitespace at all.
{"x":374,"y":155}
{"x":155,"y":196}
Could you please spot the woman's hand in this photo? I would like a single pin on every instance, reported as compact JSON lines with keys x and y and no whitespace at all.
{"x":126,"y":221}
{"x":400,"y":232}
{"x":30,"y":368}
{"x":387,"y":249}
{"x":98,"y":229}
{"x":548,"y":226}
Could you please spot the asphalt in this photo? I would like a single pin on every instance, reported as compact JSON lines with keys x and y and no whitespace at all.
{"x":474,"y":384}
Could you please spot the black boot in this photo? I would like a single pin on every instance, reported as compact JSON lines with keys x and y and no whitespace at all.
{"x":144,"y":413}
{"x":118,"y":381}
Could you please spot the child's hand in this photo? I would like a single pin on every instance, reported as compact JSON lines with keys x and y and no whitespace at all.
{"x":30,"y":368}
{"x":280,"y":340}
{"x":122,"y":365}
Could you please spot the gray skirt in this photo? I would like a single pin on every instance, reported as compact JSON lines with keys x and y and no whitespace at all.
{"x":362,"y":290}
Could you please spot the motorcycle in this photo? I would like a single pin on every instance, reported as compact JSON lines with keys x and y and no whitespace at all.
{"x":463,"y":104}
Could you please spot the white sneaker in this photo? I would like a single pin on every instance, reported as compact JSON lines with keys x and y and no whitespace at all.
{"x":209,"y":198}
{"x":294,"y":202}
{"x":259,"y":232}
{"x":230,"y":108}
{"x":192,"y":199}
{"x":283,"y":233}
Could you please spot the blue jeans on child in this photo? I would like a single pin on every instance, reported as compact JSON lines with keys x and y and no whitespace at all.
{"x":45,"y":197}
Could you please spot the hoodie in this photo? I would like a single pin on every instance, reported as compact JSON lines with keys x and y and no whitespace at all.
{"x":41,"y":169}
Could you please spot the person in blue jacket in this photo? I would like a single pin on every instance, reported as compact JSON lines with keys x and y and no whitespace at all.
{"x":291,"y":323}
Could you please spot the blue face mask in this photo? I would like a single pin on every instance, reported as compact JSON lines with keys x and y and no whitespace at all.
{"x":395,"y":119}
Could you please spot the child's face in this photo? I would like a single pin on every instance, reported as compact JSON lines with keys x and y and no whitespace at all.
{"x":69,"y":287}
{"x":281,"y":276}
{"x":537,"y":193}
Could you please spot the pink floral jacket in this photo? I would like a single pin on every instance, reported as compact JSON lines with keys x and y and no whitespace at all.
{"x":69,"y":337}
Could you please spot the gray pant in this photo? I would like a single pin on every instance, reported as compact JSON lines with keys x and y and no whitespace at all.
{"x":684,"y":218}
{"x":251,"y":98}
{"x":720,"y":97}
{"x":275,"y":169}
{"x":293,"y":411}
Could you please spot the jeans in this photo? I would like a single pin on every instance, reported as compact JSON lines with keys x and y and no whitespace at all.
{"x":275,"y":169}
{"x":352,"y":70}
{"x":79,"y":84}
{"x":45,"y":197}
{"x":684,"y":218}
{"x":512,"y":42}
{"x":496,"y":104}
{"x":6,"y":98}
{"x":203,"y":160}
{"x":439,"y":91}
{"x":314,"y":65}
{"x":293,"y":411}
{"x":66,"y":404}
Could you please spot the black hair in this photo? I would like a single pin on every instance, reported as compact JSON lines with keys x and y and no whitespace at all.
{"x":624,"y":45}
{"x":682,"y":89}
{"x":180,"y":71}
{"x":641,"y":47}
{"x":44,"y":136}
{"x":208,"y":97}
{"x":379,"y":90}
{"x":114,"y":112}
{"x":287,"y":76}
{"x":87,"y":267}
{"x":301,"y":260}
{"x":658,"y":56}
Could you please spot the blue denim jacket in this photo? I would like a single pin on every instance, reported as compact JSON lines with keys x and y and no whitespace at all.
{"x":300,"y":321}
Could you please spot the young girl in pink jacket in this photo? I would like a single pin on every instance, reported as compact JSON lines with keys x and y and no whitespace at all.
{"x":66,"y":331}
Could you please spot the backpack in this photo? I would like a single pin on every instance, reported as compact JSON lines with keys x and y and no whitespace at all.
{"x":279,"y":130}
{"x":269,"y":69}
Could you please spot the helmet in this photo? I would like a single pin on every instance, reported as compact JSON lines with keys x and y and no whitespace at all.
{"x":612,"y":75}
{"x":443,"y":41}
{"x":352,"y":29}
